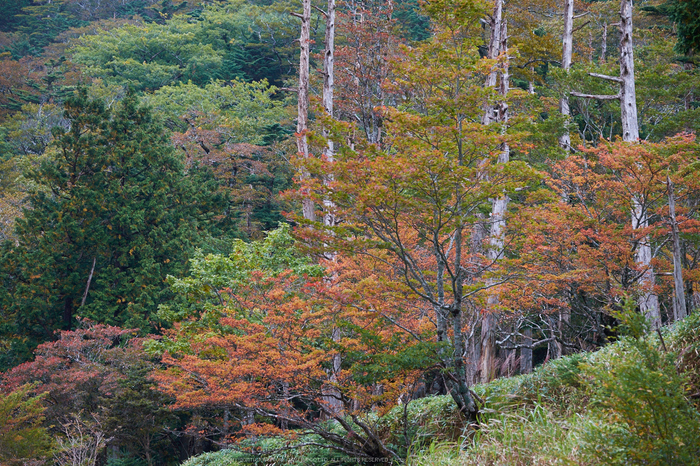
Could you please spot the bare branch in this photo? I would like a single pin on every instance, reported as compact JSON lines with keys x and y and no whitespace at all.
{"x":580,"y":27}
{"x":594,"y":96}
{"x":319,"y":10}
{"x":605,"y":76}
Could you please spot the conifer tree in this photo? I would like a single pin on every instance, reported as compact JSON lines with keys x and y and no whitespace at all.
{"x":111,"y":214}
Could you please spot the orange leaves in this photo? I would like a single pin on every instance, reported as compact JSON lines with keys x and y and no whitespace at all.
{"x":273,"y":349}
{"x":582,"y":243}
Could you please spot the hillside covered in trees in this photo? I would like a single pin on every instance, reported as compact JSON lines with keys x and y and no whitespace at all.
{"x":301,"y":232}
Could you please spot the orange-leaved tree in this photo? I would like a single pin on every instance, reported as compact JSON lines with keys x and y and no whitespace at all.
{"x":579,"y":256}
{"x":258,"y":338}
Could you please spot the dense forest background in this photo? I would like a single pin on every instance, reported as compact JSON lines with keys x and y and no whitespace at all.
{"x":188,"y":267}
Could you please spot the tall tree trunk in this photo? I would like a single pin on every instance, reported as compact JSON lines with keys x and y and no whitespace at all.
{"x":649,"y":302}
{"x":679,"y":308}
{"x":567,"y":50}
{"x":328,"y":87}
{"x":335,"y":403}
{"x":498,"y":221}
{"x":493,"y":52}
{"x":628,"y":95}
{"x":303,"y":99}
{"x":328,"y":72}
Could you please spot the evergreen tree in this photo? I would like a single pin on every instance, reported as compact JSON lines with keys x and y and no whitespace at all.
{"x":111,"y":214}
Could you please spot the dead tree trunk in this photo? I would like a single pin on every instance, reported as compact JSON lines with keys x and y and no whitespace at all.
{"x":604,"y":43}
{"x":567,"y":50}
{"x":648,"y":301}
{"x":628,"y":94}
{"x":679,"y":307}
{"x":498,"y":212}
{"x":308,"y":209}
{"x":494,"y":50}
{"x":333,"y":397}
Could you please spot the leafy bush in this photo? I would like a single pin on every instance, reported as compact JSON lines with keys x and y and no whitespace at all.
{"x":276,"y":450}
{"x":22,"y":436}
{"x":640,"y":412}
{"x":685,"y":341}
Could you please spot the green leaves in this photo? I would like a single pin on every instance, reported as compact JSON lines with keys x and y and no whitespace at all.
{"x":112,"y":214}
{"x":640,"y":404}
{"x":150,"y":56}
{"x":22,"y":436}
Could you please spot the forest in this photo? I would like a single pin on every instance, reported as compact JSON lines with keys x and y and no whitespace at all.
{"x":301,"y":232}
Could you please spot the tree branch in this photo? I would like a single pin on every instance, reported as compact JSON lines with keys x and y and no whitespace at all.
{"x":605,"y":76}
{"x":319,"y":10}
{"x":87,"y":287}
{"x":594,"y":96}
{"x":580,"y":27}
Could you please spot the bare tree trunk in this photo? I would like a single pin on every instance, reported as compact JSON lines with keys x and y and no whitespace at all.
{"x":628,"y":96}
{"x":334,"y":400}
{"x":328,"y":71}
{"x":604,"y":43}
{"x":679,"y":307}
{"x":649,"y":302}
{"x":526,"y":351}
{"x":328,"y":88}
{"x":488,"y":322}
{"x":498,"y":224}
{"x":303,"y":99}
{"x":567,"y":50}
{"x":493,"y":52}
{"x":554,"y":347}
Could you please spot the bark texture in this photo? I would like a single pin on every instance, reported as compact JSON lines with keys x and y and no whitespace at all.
{"x":308,"y":209}
{"x":567,"y":49}
{"x":679,"y":307}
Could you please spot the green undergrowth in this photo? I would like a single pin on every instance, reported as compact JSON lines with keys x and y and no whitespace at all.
{"x":634,"y":402}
